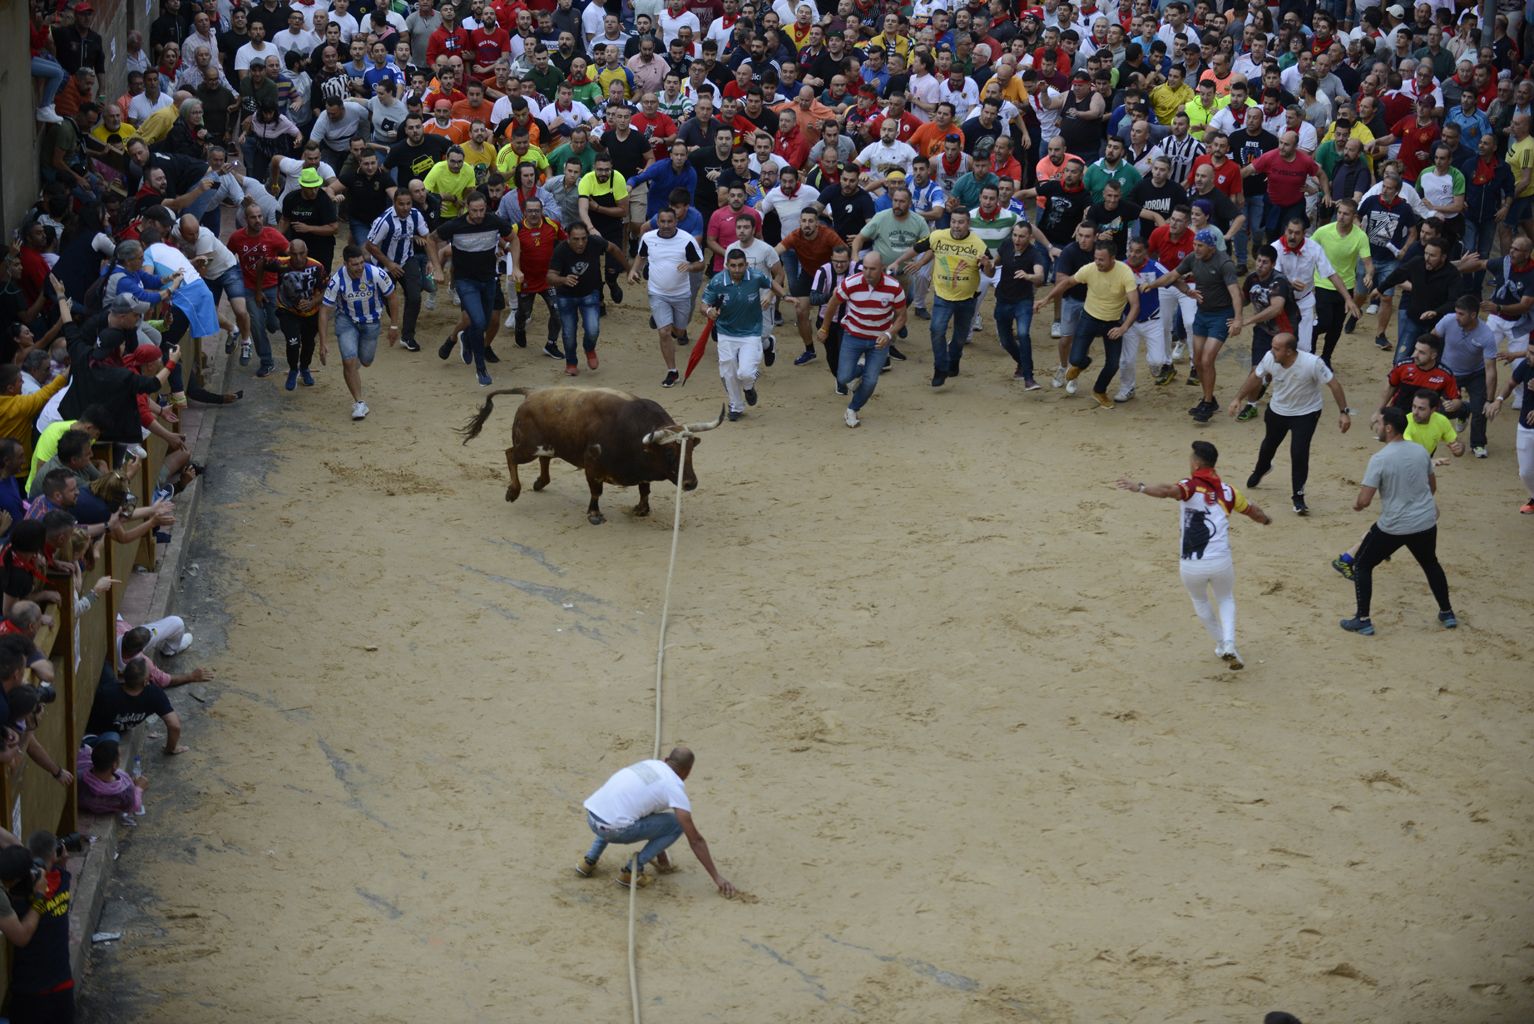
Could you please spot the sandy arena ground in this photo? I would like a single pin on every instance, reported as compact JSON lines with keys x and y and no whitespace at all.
{"x":960,"y":737}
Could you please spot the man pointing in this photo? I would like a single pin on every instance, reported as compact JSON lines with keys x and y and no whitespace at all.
{"x":647,"y":802}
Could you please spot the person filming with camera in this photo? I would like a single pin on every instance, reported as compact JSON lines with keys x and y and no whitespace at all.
{"x":34,"y":916}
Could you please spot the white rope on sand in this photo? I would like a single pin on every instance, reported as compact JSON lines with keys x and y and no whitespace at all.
{"x":660,"y":672}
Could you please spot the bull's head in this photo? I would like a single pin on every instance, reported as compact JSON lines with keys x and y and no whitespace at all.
{"x":677,"y":440}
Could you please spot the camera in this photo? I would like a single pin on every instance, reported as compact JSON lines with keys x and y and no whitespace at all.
{"x":75,"y":842}
{"x":47,"y":694}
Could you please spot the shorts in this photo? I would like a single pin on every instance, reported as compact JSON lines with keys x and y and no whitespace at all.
{"x":1382,"y":270}
{"x":639,"y":203}
{"x":799,"y":284}
{"x":499,"y":302}
{"x":1214,"y":324}
{"x":671,"y":310}
{"x":356,"y":341}
{"x":1518,"y":212}
{"x":231,"y":283}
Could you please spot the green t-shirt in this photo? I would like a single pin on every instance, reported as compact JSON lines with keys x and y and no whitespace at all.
{"x":995,"y":231}
{"x":47,"y":447}
{"x":1344,"y":253}
{"x":587,"y":157}
{"x":891,"y":237}
{"x":1097,"y":176}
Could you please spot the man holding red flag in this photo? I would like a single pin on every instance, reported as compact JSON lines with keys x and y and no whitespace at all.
{"x":734,"y":300}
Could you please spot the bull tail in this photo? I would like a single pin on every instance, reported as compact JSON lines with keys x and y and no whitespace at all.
{"x":471,"y":429}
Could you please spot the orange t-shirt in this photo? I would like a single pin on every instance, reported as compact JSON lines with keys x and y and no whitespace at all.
{"x":456,"y":132}
{"x":928,"y":139}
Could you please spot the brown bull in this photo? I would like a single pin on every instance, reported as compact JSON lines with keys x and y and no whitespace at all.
{"x":615,"y":437}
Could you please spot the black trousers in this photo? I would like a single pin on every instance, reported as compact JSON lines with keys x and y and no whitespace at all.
{"x":1331,"y":314}
{"x":525,"y":303}
{"x":1378,"y":545}
{"x":300,"y":333}
{"x":833,"y":347}
{"x":1472,"y":388}
{"x":1302,"y":429}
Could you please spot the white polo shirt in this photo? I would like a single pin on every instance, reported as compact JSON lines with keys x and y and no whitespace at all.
{"x":1296,"y":390}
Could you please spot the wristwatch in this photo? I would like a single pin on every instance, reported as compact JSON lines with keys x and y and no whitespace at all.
{"x":1346,"y":411}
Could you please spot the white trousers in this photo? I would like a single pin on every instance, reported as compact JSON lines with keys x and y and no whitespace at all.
{"x":1307,"y":337}
{"x":1220,"y":577}
{"x":1526,"y":458}
{"x":1150,"y":334}
{"x":987,"y":282}
{"x":1172,"y":299}
{"x":740,"y":360}
{"x":920,"y":282}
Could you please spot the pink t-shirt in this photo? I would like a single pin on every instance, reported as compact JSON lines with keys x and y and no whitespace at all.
{"x":721,"y":229}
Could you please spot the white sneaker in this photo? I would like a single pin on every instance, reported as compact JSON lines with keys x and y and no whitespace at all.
{"x":1058,"y":380}
{"x":511,"y":319}
{"x":1056,"y":331}
{"x":1124,"y":395}
{"x":1373,"y":308}
{"x":978,"y":327}
{"x":454,"y":294}
{"x":47,"y":115}
{"x":1219,"y":650}
{"x":431,"y":300}
{"x":1070,"y":387}
{"x":1177,"y":350}
{"x":180,"y":645}
{"x":1233,"y":659}
{"x":359,"y":410}
{"x":851,"y":419}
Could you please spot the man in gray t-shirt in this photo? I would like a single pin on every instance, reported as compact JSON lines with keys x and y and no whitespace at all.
{"x":1402,"y":474}
{"x":1470,"y":353}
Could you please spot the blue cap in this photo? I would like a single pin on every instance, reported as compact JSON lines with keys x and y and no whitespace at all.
{"x":1206,"y":236}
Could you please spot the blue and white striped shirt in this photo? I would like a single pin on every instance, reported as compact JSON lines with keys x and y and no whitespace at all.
{"x":363,"y":301}
{"x":395,"y":235}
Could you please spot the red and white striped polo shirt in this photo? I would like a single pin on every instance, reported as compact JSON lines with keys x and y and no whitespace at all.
{"x":870,"y":308}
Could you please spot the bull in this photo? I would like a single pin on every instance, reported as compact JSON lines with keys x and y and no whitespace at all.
{"x":615,"y":437}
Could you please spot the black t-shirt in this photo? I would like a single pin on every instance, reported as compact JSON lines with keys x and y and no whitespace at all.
{"x":848,"y":214}
{"x":1009,"y":261}
{"x":975,"y":133}
{"x":115,"y":710}
{"x":42,"y":965}
{"x":367,"y":198}
{"x":587,"y":266}
{"x":1245,"y":148}
{"x":705,"y":161}
{"x":1147,"y":195}
{"x":1261,"y":294}
{"x":475,"y":245}
{"x":826,"y":67}
{"x":319,"y":211}
{"x":1062,"y":211}
{"x":629,"y":155}
{"x":1072,"y":258}
{"x":407,"y":161}
{"x":1119,"y":221}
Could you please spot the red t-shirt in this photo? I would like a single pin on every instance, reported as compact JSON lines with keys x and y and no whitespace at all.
{"x":721,"y":228}
{"x":487,"y":47}
{"x":655,"y":127}
{"x":792,"y":148}
{"x":1414,"y":135}
{"x":443,"y":41}
{"x":1408,"y":378}
{"x":1286,"y":178}
{"x":1165,"y":249}
{"x":1227,"y":176}
{"x":253,"y":251}
{"x":909,"y":122}
{"x":536,"y":249}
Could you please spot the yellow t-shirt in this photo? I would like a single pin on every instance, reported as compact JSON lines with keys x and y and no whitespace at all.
{"x":441,"y":180}
{"x":955,"y":264}
{"x":1436,"y":431}
{"x":1520,"y":156}
{"x":507,"y":161}
{"x":1107,"y":291}
{"x":125,"y":132}
{"x":481,"y":158}
{"x":1166,"y":101}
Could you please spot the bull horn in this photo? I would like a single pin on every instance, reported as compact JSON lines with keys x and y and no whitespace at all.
{"x":663,"y":435}
{"x":698,"y":428}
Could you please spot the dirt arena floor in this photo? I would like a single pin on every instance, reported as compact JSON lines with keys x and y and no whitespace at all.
{"x":960,"y":737}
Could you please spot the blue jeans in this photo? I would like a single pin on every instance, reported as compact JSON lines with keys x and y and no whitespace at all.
{"x":1088,"y":330}
{"x":1014,"y":321}
{"x":478,"y":299}
{"x":589,"y":309}
{"x":656,"y":831}
{"x":53,"y":75}
{"x":1408,"y":330}
{"x":874,"y":359}
{"x":945,"y":353}
{"x":359,"y":231}
{"x":263,"y":319}
{"x":1254,"y":208}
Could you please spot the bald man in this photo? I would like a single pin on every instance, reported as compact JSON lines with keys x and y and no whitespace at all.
{"x":647,"y":802}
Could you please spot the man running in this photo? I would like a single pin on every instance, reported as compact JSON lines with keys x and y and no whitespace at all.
{"x":1272,"y":296}
{"x":354,"y":301}
{"x":1111,"y":308}
{"x":1402,"y":474}
{"x":875,"y":312}
{"x":532,"y":247}
{"x":1146,"y":330}
{"x":1217,"y":292}
{"x":959,"y":258}
{"x":1295,"y":408}
{"x":1206,"y":504}
{"x":475,"y":239}
{"x":673,"y":256}
{"x":735,"y":300}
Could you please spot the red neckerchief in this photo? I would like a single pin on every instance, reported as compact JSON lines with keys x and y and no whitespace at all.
{"x":1525,"y":268}
{"x":1484,"y":171}
{"x":953,"y":168}
{"x":27,"y":562}
{"x":1212,"y":488}
{"x":1284,"y":241}
{"x":787,"y":194}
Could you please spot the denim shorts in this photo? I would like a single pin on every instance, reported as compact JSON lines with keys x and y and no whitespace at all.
{"x":356,"y":341}
{"x":231,"y":283}
{"x":1211,"y":324}
{"x":1382,"y":270}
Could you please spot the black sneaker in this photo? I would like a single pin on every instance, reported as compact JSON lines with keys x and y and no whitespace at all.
{"x":553,"y":351}
{"x":446,"y":348}
{"x":938,"y":377}
{"x":1205,"y":414}
{"x":734,"y":415}
{"x":1254,"y":479}
{"x":616,"y":289}
{"x":902,"y":333}
{"x":682,"y":340}
{"x":751,"y":396}
{"x":895,"y":353}
{"x":672,"y":378}
{"x":1197,"y":409}
{"x":1300,"y":508}
{"x":1382,"y":343}
{"x":491,"y":357}
{"x":841,"y":389}
{"x":410,"y":345}
{"x":1192,"y":376}
{"x":770,"y":351}
{"x":1349,"y":324}
{"x":652,"y":321}
{"x":922,"y":314}
{"x":521,"y":339}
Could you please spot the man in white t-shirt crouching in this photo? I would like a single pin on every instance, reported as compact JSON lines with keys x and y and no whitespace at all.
{"x":647,"y":802}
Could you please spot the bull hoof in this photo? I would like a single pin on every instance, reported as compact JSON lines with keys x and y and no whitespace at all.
{"x":539,"y":485}
{"x":596,"y":518}
{"x":512,"y":493}
{"x":641,"y":510}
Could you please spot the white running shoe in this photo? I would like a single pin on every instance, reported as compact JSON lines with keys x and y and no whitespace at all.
{"x":47,"y":115}
{"x":1124,"y":395}
{"x":1070,"y":387}
{"x":851,"y":419}
{"x":1177,"y":351}
{"x":1233,"y":659}
{"x":431,"y":301}
{"x":1058,"y":380}
{"x":359,"y":410}
{"x":511,"y":319}
{"x":179,"y":646}
{"x":1373,"y":308}
{"x":1056,"y":331}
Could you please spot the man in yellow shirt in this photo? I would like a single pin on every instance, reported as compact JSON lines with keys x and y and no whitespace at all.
{"x":1203,"y":107}
{"x":17,"y":411}
{"x":520,"y":150}
{"x":479,"y":151}
{"x":1429,"y":427}
{"x":450,"y":179}
{"x":1520,"y":160}
{"x":1112,"y":306}
{"x":958,"y":257}
{"x":1170,"y":96}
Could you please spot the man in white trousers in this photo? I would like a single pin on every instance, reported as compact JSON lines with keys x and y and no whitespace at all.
{"x":762,"y":258}
{"x":735,"y":299}
{"x":1205,"y":504}
{"x":1303,"y":262}
{"x":1146,"y":329}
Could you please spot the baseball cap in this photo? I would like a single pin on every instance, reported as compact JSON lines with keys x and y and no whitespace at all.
{"x":1206,"y":236}
{"x":310,"y":178}
{"x":122,"y":303}
{"x":1396,"y":11}
{"x":1036,"y":13}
